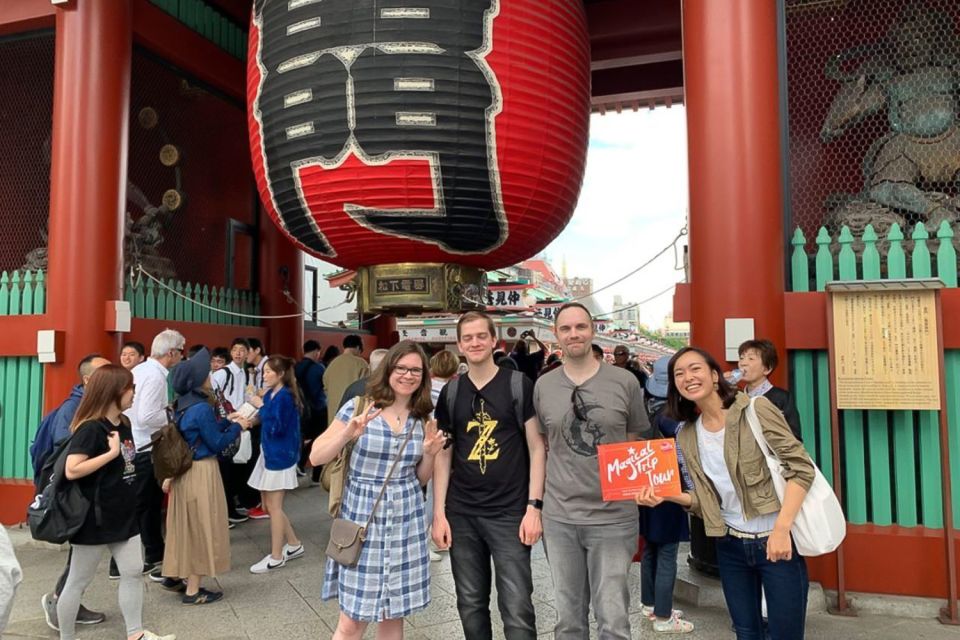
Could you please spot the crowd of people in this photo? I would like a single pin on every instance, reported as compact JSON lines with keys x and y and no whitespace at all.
{"x":481,"y":456}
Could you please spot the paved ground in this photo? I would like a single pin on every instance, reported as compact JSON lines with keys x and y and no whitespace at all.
{"x":287,"y":604}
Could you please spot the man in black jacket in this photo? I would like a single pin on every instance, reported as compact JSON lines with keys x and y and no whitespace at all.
{"x":758,"y":359}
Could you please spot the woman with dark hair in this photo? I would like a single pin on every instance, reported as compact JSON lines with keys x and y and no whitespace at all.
{"x":331,"y":352}
{"x":100,"y":460}
{"x":276,"y":469}
{"x":198,"y":543}
{"x":728,"y":484}
{"x":392,"y":578}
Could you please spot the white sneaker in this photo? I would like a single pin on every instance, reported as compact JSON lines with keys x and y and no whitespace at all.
{"x":673,"y":625}
{"x":267,"y":564}
{"x":290,"y":553}
{"x":648,"y":612}
{"x":150,"y":635}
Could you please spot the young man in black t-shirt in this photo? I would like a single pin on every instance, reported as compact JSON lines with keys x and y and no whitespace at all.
{"x":488,"y":485}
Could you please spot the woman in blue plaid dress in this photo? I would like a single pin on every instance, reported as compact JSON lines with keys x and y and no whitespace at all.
{"x":392,"y":578}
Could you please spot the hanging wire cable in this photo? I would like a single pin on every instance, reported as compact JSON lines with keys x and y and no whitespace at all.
{"x":672,"y":245}
{"x":164,"y":285}
{"x":642,"y":302}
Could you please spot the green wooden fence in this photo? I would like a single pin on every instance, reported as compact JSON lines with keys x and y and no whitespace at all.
{"x":21,"y":403}
{"x":890,"y":459}
{"x":22,"y":294}
{"x":208,"y":22}
{"x":191,"y":302}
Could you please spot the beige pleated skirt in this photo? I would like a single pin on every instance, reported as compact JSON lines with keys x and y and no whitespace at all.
{"x":198,"y":540}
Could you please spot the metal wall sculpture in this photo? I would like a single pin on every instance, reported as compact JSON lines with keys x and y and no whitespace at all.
{"x":427,"y":131}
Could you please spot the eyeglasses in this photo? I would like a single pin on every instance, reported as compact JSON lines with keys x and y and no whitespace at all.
{"x":579,"y":408}
{"x":401,"y":371}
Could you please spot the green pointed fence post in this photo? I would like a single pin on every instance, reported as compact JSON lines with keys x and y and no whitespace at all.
{"x":34,"y":411}
{"x":150,"y":300}
{"x":10,"y":424}
{"x":40,"y":294}
{"x":4,"y":294}
{"x":128,"y":292}
{"x":823,"y":267}
{"x":245,"y":307}
{"x":854,"y":445}
{"x":171,"y":300}
{"x":188,"y":306}
{"x":205,"y":304}
{"x":931,"y":507}
{"x":178,"y":301}
{"x":234,"y":307}
{"x":221,"y":305}
{"x":803,"y":383}
{"x":26,"y":295}
{"x":904,"y":458}
{"x":947,"y":271}
{"x":140,"y":300}
{"x":15,"y":294}
{"x":256,"y":310}
{"x":878,"y":433}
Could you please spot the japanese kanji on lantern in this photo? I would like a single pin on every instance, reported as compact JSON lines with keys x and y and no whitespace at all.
{"x":420,"y":142}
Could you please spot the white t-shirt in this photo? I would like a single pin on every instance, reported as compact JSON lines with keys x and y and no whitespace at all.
{"x":715,"y":466}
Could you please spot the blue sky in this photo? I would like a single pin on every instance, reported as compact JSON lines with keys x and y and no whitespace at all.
{"x":633,"y":203}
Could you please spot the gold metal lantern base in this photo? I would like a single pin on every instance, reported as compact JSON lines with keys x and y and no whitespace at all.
{"x":411,"y":287}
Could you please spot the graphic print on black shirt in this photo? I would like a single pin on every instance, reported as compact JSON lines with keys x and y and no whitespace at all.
{"x":490,"y":469}
{"x":117,"y":488}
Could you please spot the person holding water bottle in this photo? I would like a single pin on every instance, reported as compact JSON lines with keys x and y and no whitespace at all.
{"x":758,"y":359}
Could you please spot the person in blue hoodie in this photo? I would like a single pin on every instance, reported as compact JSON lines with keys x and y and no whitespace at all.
{"x":276,"y":469}
{"x":198,"y":542}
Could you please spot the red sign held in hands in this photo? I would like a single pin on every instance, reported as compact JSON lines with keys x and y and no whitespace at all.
{"x":626,"y":467}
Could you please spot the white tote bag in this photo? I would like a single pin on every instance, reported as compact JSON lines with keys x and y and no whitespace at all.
{"x":820,"y":526}
{"x":245,"y":452}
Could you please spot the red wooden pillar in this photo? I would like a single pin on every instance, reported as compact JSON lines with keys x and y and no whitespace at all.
{"x":281,"y":266}
{"x":385,"y":329}
{"x":733,"y":130}
{"x":88,"y":173}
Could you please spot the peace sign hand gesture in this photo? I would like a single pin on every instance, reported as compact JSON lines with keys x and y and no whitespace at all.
{"x":433,"y":438}
{"x":358,"y":423}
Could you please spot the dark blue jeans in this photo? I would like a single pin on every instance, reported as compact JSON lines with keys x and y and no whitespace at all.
{"x":475,"y":540}
{"x":745,"y":573}
{"x":658,"y":573}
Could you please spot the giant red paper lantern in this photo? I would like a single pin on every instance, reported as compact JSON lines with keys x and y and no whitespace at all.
{"x":444,"y":131}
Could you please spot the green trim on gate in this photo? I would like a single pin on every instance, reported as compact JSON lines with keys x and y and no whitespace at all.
{"x":891,"y":459}
{"x":149,"y":300}
{"x":22,"y":294}
{"x":21,"y":403}
{"x":206,"y":20}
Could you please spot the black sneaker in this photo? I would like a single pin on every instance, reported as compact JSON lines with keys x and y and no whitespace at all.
{"x":156,"y":574}
{"x":236,"y":518}
{"x":85,"y":616}
{"x":202,"y":597}
{"x":173,"y":584}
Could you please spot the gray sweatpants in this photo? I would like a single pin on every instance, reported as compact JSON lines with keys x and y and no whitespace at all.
{"x":591,"y":564}
{"x":83,"y":567}
{"x":10,"y":577}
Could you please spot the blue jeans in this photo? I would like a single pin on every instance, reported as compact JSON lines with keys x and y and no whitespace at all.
{"x":745,"y":573}
{"x":658,"y":573}
{"x":475,"y":540}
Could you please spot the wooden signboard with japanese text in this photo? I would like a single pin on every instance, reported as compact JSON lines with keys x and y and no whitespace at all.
{"x":886,"y":350}
{"x":625,"y":467}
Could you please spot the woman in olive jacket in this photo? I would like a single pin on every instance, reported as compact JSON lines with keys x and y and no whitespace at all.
{"x":729,"y":486}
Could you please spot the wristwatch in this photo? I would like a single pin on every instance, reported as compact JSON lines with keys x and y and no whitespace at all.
{"x":536,"y":504}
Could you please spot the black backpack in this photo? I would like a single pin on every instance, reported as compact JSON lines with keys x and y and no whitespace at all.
{"x":59,"y":508}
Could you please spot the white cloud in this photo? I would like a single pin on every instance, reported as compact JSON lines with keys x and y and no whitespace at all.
{"x":633,"y":203}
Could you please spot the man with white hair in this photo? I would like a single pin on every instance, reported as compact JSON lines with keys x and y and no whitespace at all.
{"x":147,"y":416}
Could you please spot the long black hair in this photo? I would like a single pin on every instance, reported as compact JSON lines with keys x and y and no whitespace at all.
{"x":678,"y":407}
